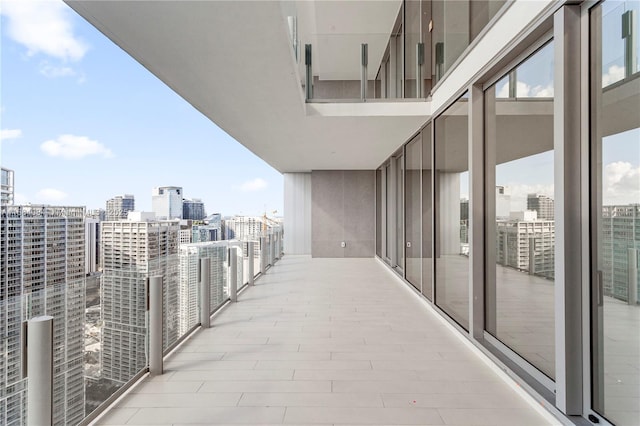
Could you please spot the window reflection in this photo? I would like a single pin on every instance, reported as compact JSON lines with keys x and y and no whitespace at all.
{"x":615,"y":195}
{"x":520,"y":218}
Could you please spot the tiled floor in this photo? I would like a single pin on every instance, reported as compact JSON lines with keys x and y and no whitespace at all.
{"x":326,"y":342}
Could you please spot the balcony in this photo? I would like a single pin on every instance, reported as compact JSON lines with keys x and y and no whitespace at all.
{"x":327,"y":341}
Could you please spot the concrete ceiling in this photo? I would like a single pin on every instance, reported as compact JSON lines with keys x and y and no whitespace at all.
{"x":232,"y":60}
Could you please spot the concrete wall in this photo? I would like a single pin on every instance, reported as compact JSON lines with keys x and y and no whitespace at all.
{"x":343,"y":210}
{"x":297,"y":213}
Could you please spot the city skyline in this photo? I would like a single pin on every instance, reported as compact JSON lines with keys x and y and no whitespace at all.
{"x":108,"y":126}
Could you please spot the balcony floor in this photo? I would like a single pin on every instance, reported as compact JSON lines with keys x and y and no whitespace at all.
{"x":326,"y":342}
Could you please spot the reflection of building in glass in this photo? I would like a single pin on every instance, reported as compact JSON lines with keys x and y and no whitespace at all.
{"x":6,"y":187}
{"x":503,"y":203}
{"x":464,"y":225}
{"x":131,"y":253}
{"x":188,"y":289}
{"x":522,"y":237}
{"x":541,"y":204}
{"x":620,"y":241}
{"x":193,"y":209}
{"x":43,"y":272}
{"x":166,"y":202}
{"x":92,"y":245}
{"x":119,"y":206}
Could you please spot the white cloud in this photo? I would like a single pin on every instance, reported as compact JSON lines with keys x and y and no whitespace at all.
{"x":52,"y":71}
{"x":519,"y":192}
{"x":20,"y":199}
{"x":43,"y":27}
{"x":523,"y":90}
{"x":615,"y":73}
{"x":51,"y":195}
{"x":253,"y":185}
{"x":621,"y":183}
{"x":8,"y":134}
{"x":74,"y":147}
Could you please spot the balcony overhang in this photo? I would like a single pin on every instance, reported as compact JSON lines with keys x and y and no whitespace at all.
{"x":233,"y":62}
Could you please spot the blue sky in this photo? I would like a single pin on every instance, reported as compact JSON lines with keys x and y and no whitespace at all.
{"x":82,"y":121}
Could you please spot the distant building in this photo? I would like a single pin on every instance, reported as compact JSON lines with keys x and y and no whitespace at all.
{"x":193,"y":209}
{"x":100,"y":214}
{"x":203,"y":233}
{"x":524,"y":236}
{"x":188,"y":288}
{"x":131,"y":252}
{"x":620,"y":239}
{"x":503,"y":203}
{"x":166,"y":202}
{"x":43,"y":272}
{"x":243,"y":227}
{"x":6,"y":187}
{"x":119,"y":206}
{"x":138,"y":216}
{"x":542,"y":204}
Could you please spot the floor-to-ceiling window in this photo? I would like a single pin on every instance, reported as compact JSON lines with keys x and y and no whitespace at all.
{"x":413,"y":211}
{"x":520,"y":243}
{"x":615,"y":210}
{"x":427,"y":213}
{"x":379,"y":212}
{"x":452,"y":211}
{"x":399,"y":160}
{"x":388,"y":206}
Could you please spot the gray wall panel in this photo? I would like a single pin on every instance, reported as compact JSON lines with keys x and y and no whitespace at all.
{"x":343,"y":204}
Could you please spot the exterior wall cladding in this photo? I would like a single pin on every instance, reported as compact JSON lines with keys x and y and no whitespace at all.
{"x":43,"y":273}
{"x":131,"y":252}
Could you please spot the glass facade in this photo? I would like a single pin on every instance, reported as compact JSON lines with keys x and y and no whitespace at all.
{"x":615,"y":208}
{"x":520,"y":229}
{"x":413,"y":212}
{"x":452,"y":211}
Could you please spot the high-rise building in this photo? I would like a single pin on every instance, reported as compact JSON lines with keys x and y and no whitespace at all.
{"x":243,"y":227}
{"x":524,"y":236}
{"x":100,"y":214}
{"x":132,"y":252}
{"x":202,"y":233}
{"x":621,"y":239}
{"x":503,"y":203}
{"x":188,"y":290}
{"x":193,"y":209}
{"x":541,"y":204}
{"x":119,"y":206}
{"x":43,"y":272}
{"x":166,"y":202}
{"x":6,"y":186}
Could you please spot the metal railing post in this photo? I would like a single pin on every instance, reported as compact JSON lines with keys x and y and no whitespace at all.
{"x":155,"y":326}
{"x":233,"y":274}
{"x":205,"y":292}
{"x":364,"y":61}
{"x":250,"y":248}
{"x":309,"y":73}
{"x":629,"y":37}
{"x":40,"y":370}
{"x":263,"y":255}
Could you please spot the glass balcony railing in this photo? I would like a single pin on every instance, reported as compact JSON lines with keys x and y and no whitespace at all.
{"x":400,"y":51}
{"x":103,"y":325}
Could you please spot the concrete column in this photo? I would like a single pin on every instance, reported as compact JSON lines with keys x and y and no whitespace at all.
{"x":205,"y":292}
{"x":250,"y":250}
{"x":233,"y":274}
{"x":155,"y":326}
{"x":40,"y":371}
{"x":632,"y":257}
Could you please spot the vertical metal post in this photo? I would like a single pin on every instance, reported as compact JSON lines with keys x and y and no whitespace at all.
{"x":250,"y":253}
{"x":309,"y":72}
{"x":40,"y":371}
{"x":513,"y":84}
{"x":263,"y":255}
{"x":632,"y":266}
{"x":205,"y":292}
{"x":155,"y":326}
{"x":419,"y":64}
{"x":532,"y":256}
{"x":364,"y":62}
{"x":233,"y":274}
{"x":628,"y":35}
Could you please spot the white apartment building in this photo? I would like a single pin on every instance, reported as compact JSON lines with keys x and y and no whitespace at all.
{"x":166,"y":202}
{"x":132,"y":252}
{"x":42,"y":257}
